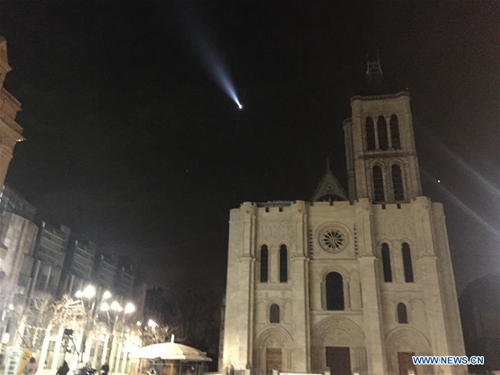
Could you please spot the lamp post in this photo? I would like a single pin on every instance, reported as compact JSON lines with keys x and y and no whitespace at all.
{"x":117,"y":310}
{"x":89,"y":293}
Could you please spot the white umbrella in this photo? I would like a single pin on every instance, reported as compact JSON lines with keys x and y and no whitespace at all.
{"x":170,"y":351}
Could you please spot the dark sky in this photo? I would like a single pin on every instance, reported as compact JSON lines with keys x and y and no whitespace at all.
{"x":132,"y":144}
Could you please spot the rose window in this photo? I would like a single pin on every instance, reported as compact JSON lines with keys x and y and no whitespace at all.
{"x":333,"y":240}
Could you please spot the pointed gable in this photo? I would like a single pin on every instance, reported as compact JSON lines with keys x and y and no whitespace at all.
{"x":329,"y":189}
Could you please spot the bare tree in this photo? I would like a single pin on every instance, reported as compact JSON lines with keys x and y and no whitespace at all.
{"x":37,"y":317}
{"x":160,"y":333}
{"x":71,"y":314}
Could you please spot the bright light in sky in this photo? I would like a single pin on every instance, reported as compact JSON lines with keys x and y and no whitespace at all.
{"x":219,"y":72}
{"x":212,"y":59}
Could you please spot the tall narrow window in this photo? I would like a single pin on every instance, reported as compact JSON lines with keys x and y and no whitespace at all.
{"x":283,"y":264}
{"x":407,"y":265}
{"x":386,"y":263}
{"x":383,"y":142}
{"x":274,"y":313}
{"x":334,"y":291}
{"x":397,"y":183}
{"x":402,"y":314}
{"x":370,"y":134}
{"x":378,"y":184}
{"x":395,"y":141}
{"x":264,"y":264}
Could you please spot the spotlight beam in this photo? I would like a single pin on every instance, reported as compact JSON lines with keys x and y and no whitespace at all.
{"x":212,"y":60}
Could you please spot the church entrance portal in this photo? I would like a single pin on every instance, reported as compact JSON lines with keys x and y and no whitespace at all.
{"x":273,"y":360}
{"x":338,"y":360}
{"x":406,"y":363}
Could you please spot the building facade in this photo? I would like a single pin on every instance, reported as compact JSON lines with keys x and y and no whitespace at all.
{"x":50,"y":252}
{"x":78,"y":267}
{"x":105,"y":270}
{"x":10,"y":130}
{"x":125,"y":277}
{"x":346,"y":283}
{"x":18,"y":233}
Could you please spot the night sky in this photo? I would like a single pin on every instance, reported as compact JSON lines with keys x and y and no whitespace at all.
{"x":133,"y":145}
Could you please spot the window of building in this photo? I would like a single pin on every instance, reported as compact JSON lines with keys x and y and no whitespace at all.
{"x":397,"y":183}
{"x":386,"y":263}
{"x":402,"y":314}
{"x":378,"y":184}
{"x":283,"y":264}
{"x":383,"y":141}
{"x":395,"y":141}
{"x":407,"y":265}
{"x":264,"y":264}
{"x":370,"y":134}
{"x":334,"y":291}
{"x":274,"y":313}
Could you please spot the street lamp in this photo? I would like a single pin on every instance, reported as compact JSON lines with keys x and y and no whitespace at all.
{"x":129,"y":308}
{"x":115,"y":306}
{"x":89,"y":292}
{"x":106,"y":295}
{"x":94,"y":301}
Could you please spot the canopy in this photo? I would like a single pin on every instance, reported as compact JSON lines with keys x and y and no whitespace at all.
{"x":170,"y":351}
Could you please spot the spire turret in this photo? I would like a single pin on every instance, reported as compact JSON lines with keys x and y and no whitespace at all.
{"x":374,"y":73}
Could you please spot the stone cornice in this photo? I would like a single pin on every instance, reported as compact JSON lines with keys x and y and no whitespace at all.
{"x":380,"y":97}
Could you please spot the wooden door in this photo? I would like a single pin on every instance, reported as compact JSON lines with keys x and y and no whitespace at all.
{"x":273,"y":360}
{"x":338,"y":359}
{"x":406,"y":363}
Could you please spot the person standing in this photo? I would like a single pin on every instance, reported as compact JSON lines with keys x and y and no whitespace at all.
{"x":31,"y":367}
{"x":64,"y":369}
{"x":105,"y":368}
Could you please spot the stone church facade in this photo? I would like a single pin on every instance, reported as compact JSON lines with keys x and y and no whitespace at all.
{"x":346,"y":283}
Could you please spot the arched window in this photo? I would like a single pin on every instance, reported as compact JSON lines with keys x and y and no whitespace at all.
{"x":334,"y":291}
{"x":283,"y":264}
{"x":264,"y":264}
{"x":274,"y":313}
{"x":370,"y":134}
{"x":378,"y":184}
{"x":408,"y":267}
{"x":386,"y":263}
{"x":383,"y":142}
{"x":402,"y":314}
{"x":397,"y":183}
{"x":395,"y":141}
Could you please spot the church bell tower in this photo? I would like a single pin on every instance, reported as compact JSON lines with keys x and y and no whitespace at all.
{"x":382,"y":162}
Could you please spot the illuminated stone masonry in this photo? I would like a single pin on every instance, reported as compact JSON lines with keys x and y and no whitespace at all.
{"x":10,"y":130}
{"x":346,"y":283}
